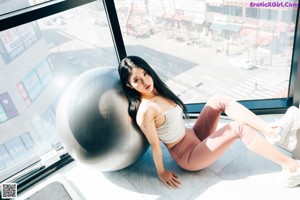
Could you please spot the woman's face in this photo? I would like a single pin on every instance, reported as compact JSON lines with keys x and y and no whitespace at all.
{"x":141,"y":81}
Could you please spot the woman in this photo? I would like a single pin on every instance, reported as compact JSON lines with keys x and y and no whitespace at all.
{"x":158,"y":112}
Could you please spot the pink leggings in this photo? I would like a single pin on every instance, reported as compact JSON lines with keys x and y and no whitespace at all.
{"x":203,"y":144}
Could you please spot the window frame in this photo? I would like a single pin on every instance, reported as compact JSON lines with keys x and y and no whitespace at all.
{"x":265,"y":106}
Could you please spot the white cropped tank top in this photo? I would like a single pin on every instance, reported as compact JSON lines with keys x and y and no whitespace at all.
{"x":173,"y":128}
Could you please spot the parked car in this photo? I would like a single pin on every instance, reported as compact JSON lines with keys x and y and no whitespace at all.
{"x":241,"y":62}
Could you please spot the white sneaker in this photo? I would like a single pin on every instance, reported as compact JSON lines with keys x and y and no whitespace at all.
{"x":296,"y":151}
{"x":289,"y":179}
{"x":288,"y":126}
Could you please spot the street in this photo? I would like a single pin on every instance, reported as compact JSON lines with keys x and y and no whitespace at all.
{"x":193,"y":73}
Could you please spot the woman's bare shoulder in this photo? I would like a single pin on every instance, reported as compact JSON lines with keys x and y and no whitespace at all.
{"x":146,"y":112}
{"x":146,"y":108}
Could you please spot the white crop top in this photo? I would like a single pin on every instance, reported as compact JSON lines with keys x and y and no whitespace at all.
{"x":173,"y":128}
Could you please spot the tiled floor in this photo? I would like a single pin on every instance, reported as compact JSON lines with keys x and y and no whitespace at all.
{"x":239,"y":174}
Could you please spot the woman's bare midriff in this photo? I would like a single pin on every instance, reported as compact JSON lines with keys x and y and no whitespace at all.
{"x":170,"y":145}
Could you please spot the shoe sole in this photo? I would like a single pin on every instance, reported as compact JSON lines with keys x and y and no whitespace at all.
{"x":290,"y":183}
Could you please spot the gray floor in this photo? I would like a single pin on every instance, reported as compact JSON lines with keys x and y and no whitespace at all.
{"x":238,"y":174}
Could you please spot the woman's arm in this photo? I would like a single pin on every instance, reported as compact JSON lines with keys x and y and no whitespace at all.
{"x":151,"y":135}
{"x":149,"y":130}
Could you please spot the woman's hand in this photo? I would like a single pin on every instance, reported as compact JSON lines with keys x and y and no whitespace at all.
{"x":169,"y":179}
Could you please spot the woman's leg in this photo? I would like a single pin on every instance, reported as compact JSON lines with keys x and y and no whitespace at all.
{"x":205,"y":152}
{"x":209,"y":117}
{"x":214,"y":143}
{"x":237,"y":111}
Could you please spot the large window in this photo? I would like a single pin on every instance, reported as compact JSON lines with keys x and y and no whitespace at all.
{"x":199,"y":48}
{"x":7,"y":6}
{"x":202,"y":48}
{"x":38,"y":59}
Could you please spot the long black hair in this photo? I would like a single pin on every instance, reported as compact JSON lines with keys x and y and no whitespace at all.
{"x":133,"y":96}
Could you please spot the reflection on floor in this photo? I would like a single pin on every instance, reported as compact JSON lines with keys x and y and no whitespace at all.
{"x":239,"y":174}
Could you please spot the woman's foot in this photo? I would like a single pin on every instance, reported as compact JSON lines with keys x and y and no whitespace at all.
{"x":290,"y":179}
{"x":287,"y":128}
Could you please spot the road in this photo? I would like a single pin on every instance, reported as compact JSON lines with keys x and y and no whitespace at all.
{"x":193,"y":73}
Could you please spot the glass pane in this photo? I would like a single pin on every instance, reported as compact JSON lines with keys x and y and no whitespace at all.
{"x":7,"y":6}
{"x":202,"y":48}
{"x":38,"y":60}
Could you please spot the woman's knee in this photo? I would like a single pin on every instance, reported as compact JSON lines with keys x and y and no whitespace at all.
{"x":243,"y":131}
{"x":219,"y":102}
{"x":238,"y":128}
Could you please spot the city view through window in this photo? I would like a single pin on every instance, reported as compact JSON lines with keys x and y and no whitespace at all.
{"x":202,"y":48}
{"x":37,"y":61}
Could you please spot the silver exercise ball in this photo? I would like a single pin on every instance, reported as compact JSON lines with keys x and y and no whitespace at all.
{"x":94,"y":125}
